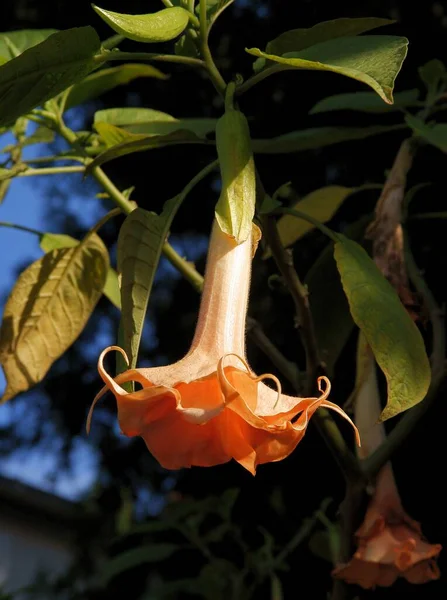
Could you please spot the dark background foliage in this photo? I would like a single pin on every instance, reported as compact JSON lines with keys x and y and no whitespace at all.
{"x":281,"y":495}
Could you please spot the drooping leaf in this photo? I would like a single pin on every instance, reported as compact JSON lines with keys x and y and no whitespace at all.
{"x":392,"y":335}
{"x":53,"y":241}
{"x":48,"y":309}
{"x":152,"y":122}
{"x":373,"y":60}
{"x":22,"y":40}
{"x":365,"y":102}
{"x":149,"y":553}
{"x":133,"y":142}
{"x":44,"y":70}
{"x":318,"y":137}
{"x":435,"y":134}
{"x":332,"y":320}
{"x":100,"y":82}
{"x":160,"y":26}
{"x":236,"y":206}
{"x":140,"y":243}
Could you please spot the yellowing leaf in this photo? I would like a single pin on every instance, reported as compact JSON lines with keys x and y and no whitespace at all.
{"x":52,"y":241}
{"x":48,"y":309}
{"x":321,"y":204}
{"x":393,"y":337}
{"x":374,"y":60}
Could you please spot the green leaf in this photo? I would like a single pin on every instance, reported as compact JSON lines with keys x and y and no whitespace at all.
{"x":100,"y":82}
{"x":373,"y":60}
{"x":214,"y":8}
{"x":149,"y":553}
{"x":432,"y":74}
{"x":299,"y":39}
{"x":318,"y":137}
{"x":140,"y":243}
{"x":45,"y":70}
{"x":236,"y":206}
{"x":4,"y":187}
{"x":22,"y":40}
{"x":161,"y":26}
{"x":52,"y":241}
{"x":185,"y":46}
{"x":48,"y":309}
{"x":365,"y":102}
{"x":122,"y":142}
{"x":152,"y":122}
{"x":321,"y":204}
{"x":394,"y":338}
{"x":332,"y":320}
{"x":435,"y":134}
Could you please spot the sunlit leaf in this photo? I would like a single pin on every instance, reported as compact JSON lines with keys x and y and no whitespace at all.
{"x":47,"y":310}
{"x":152,"y":122}
{"x":42,"y":135}
{"x":122,"y":142}
{"x":160,"y":26}
{"x":100,"y":82}
{"x":318,"y":137}
{"x":320,"y":204}
{"x":365,"y":102}
{"x":373,"y":60}
{"x":52,"y":241}
{"x":140,"y":243}
{"x":393,"y":336}
{"x":44,"y":70}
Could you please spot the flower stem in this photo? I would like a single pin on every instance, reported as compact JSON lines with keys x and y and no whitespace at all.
{"x":348,"y":463}
{"x":150,"y":57}
{"x":213,"y":72}
{"x":50,"y":171}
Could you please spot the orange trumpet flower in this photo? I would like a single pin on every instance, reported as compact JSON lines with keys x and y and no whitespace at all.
{"x":209,"y":407}
{"x":390,"y":543}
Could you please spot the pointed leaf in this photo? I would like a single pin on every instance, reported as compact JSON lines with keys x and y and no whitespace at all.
{"x":52,"y":241}
{"x":152,"y":122}
{"x":48,"y":309}
{"x":433,"y":134}
{"x":22,"y":40}
{"x":140,"y":243}
{"x":161,"y":26}
{"x":319,"y":137}
{"x":373,"y":60}
{"x":45,"y":70}
{"x":365,"y":102}
{"x":103,"y":81}
{"x":394,"y":338}
{"x":122,"y":142}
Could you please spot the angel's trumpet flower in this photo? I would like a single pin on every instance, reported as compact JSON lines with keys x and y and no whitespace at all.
{"x":209,"y":407}
{"x":390,"y":543}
